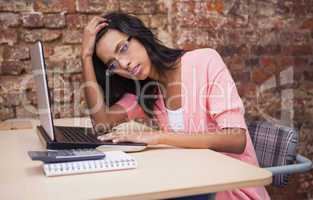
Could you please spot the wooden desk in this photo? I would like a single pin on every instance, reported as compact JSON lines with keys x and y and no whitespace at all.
{"x":163,"y":172}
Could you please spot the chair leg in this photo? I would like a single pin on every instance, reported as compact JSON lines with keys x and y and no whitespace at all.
{"x":303,"y":164}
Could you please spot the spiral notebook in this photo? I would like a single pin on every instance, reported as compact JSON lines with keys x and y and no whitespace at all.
{"x":114,"y":160}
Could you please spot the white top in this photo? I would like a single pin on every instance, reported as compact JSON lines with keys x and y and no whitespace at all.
{"x":176,"y":119}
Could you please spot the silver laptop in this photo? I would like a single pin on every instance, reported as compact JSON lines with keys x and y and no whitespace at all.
{"x":60,"y":137}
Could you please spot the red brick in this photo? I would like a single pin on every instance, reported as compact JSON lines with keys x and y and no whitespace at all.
{"x":144,"y":7}
{"x":165,"y":37}
{"x":26,"y":111}
{"x":80,"y":105}
{"x":235,"y":22}
{"x":301,"y":61}
{"x":32,"y":20}
{"x":235,"y":62}
{"x":240,"y":76}
{"x":9,"y":84}
{"x":21,"y":97}
{"x":48,"y":50}
{"x":31,"y":97}
{"x":61,"y":110}
{"x":2,"y":101}
{"x":14,"y":67}
{"x":63,"y":95}
{"x":302,"y":8}
{"x":95,"y":6}
{"x":16,"y":5}
{"x":293,"y":37}
{"x":236,"y":12}
{"x":308,"y":75}
{"x":301,"y":38}
{"x":284,"y":62}
{"x":159,"y":21}
{"x":59,"y":81}
{"x":268,"y":64}
{"x":307,"y":24}
{"x":55,"y":6}
{"x":72,"y":37}
{"x":9,"y":19}
{"x":198,"y":21}
{"x":31,"y":36}
{"x":12,"y":99}
{"x":231,"y":50}
{"x":73,"y":65}
{"x":1,"y":55}
{"x":162,"y":7}
{"x":16,"y":53}
{"x":247,"y":89}
{"x":63,"y":52}
{"x":233,"y":37}
{"x":252,"y":62}
{"x":183,"y":8}
{"x":6,"y":113}
{"x":259,"y":75}
{"x":217,"y":6}
{"x":55,"y":66}
{"x":76,"y":20}
{"x":54,"y":20}
{"x":8,"y":36}
{"x":265,"y":50}
{"x":186,"y":38}
{"x":146,"y":19}
{"x":299,"y":50}
{"x":76,"y":78}
{"x":51,"y":35}
{"x":285,"y":37}
{"x":43,"y":35}
{"x":67,"y":110}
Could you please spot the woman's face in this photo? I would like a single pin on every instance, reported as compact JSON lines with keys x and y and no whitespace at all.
{"x":123,"y":55}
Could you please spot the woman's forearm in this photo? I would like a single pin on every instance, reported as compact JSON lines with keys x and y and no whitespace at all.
{"x":93,"y":94}
{"x":226,"y":140}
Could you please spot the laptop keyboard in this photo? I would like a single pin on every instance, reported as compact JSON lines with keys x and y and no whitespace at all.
{"x":77,"y":134}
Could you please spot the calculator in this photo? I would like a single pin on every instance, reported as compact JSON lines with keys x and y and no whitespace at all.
{"x":55,"y":156}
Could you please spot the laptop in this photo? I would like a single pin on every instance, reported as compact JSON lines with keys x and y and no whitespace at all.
{"x":61,"y":137}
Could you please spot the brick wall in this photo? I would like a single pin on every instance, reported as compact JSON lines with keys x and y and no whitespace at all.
{"x":267,"y":45}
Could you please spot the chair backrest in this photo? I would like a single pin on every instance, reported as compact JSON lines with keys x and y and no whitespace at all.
{"x":274,"y":145}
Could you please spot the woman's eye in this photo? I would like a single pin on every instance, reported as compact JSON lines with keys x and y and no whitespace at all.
{"x":112,"y":66}
{"x":124,"y":48}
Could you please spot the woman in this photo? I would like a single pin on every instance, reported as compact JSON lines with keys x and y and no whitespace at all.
{"x":191,"y":94}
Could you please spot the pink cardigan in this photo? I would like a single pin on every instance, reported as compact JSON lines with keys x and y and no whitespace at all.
{"x":210,"y":102}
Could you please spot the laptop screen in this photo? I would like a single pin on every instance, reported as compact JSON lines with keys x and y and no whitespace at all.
{"x":40,"y":77}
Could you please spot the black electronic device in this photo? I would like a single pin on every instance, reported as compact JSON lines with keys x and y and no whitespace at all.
{"x":56,"y":156}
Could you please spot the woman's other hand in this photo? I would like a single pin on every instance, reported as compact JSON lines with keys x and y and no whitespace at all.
{"x":149,"y":137}
{"x":89,"y":36}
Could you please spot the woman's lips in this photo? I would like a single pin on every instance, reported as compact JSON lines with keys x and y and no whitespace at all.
{"x":136,"y":70}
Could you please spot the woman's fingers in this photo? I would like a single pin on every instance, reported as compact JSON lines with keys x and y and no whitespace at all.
{"x":94,"y":22}
{"x":118,"y":137}
{"x":100,"y":26}
{"x":97,"y":20}
{"x":122,"y":138}
{"x":141,"y":137}
{"x":109,"y":136}
{"x":90,"y":31}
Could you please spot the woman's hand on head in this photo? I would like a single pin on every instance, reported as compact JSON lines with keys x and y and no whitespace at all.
{"x":149,"y":137}
{"x":89,"y":36}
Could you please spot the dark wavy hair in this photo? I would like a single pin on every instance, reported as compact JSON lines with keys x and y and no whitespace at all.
{"x":162,"y":58}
